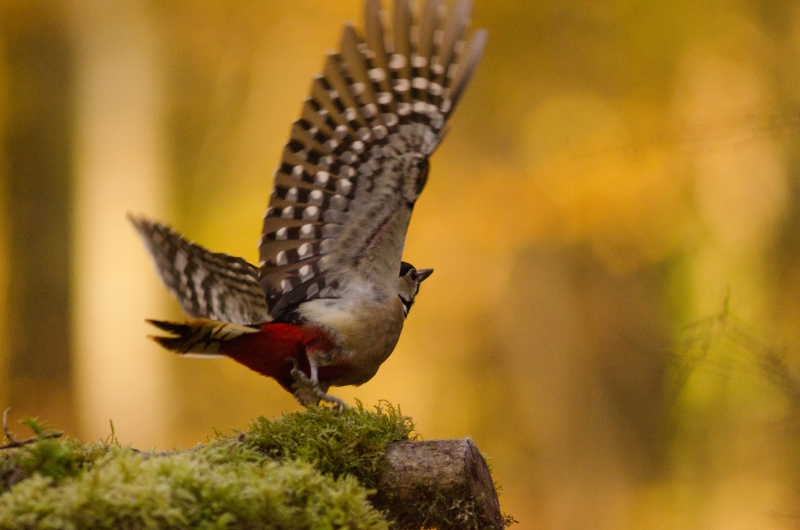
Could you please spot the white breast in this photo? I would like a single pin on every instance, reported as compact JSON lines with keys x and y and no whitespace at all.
{"x":366,"y":331}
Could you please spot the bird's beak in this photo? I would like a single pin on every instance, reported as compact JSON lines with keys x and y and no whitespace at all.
{"x":423,"y":273}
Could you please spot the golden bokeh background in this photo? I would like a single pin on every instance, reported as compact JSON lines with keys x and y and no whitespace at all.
{"x":618,"y":173}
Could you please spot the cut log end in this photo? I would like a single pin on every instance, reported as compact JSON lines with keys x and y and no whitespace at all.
{"x":439,"y":484}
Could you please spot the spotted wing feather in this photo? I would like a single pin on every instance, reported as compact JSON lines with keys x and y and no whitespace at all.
{"x":206,"y":284}
{"x":357,"y":159}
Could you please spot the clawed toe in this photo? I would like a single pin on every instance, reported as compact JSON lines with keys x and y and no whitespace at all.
{"x":336,"y":402}
{"x":308,"y":392}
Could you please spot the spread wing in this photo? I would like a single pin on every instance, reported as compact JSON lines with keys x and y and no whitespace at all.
{"x":206,"y":284}
{"x":357,"y":158}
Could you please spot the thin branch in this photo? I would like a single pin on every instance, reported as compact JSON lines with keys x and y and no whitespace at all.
{"x":13,"y":442}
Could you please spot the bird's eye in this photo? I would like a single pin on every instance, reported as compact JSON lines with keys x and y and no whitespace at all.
{"x":413,"y":275}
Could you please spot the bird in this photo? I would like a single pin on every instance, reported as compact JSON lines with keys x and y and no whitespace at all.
{"x":326,"y":304}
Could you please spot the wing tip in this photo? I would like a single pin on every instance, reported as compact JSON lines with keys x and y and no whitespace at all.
{"x":468,"y":64}
{"x":137,"y":220}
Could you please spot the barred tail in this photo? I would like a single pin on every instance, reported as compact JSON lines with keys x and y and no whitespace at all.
{"x":201,"y":337}
{"x":206,"y":284}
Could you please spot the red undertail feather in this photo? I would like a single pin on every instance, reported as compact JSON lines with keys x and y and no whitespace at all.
{"x":268,"y":350}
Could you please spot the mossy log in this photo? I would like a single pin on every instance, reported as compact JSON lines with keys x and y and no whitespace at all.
{"x":355,"y":469}
{"x":437,"y":482}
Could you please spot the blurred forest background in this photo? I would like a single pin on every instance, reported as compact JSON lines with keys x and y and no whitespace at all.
{"x":614,"y":220}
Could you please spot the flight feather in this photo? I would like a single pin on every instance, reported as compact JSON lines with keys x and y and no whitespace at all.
{"x":357,"y":159}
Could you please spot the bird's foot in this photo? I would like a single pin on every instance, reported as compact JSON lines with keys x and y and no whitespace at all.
{"x":308,"y":392}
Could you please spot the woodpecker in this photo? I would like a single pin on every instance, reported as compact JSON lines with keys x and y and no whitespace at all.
{"x":326,"y":305}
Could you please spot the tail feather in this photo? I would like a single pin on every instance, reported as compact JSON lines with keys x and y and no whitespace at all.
{"x":170,"y":327}
{"x":207,"y":284}
{"x":200,"y":336}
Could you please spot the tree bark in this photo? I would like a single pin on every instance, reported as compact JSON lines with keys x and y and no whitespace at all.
{"x":439,"y":484}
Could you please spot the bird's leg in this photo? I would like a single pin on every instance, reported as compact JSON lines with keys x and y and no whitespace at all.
{"x":303,"y":386}
{"x":338,"y":403}
{"x":307,"y":389}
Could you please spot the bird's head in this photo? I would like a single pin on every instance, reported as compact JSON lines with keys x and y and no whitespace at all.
{"x":408,"y":283}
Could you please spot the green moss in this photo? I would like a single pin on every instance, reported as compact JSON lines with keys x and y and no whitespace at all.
{"x":352,"y":442}
{"x":305,"y":470}
{"x":49,"y":458}
{"x":126,"y":489}
{"x":311,"y":469}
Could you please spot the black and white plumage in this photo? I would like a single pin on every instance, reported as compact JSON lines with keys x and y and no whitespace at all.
{"x":358,"y":157}
{"x":206,"y":284}
{"x":334,"y":231}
